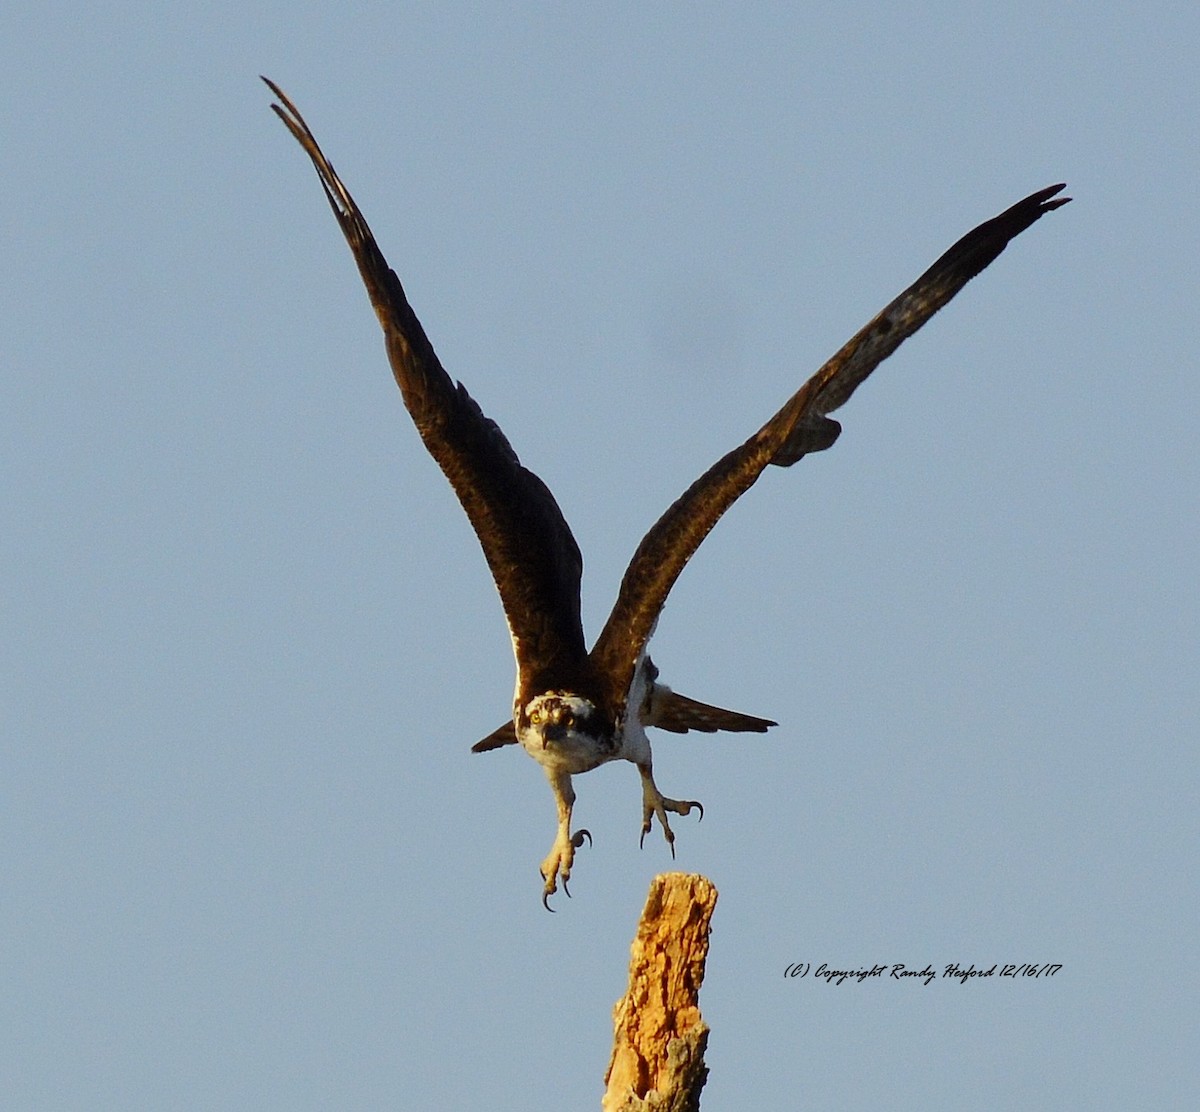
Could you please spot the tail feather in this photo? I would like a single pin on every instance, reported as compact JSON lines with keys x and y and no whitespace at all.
{"x":678,"y":714}
{"x":668,"y":711}
{"x":502,"y":735}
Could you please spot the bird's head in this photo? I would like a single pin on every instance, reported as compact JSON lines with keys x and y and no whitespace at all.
{"x":556,"y":715}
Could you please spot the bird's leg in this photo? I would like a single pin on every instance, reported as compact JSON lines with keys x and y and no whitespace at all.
{"x":557,"y":865}
{"x":655,"y":804}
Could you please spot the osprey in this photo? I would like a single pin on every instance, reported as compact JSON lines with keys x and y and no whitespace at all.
{"x":574,"y":710}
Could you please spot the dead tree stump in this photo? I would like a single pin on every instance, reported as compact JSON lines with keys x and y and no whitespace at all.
{"x":658,"y":1050}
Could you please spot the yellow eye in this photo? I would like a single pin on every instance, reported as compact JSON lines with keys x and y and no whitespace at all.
{"x":536,"y":717}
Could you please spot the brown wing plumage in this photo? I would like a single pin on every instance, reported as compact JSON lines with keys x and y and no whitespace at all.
{"x":533,"y":557}
{"x":798,"y":428}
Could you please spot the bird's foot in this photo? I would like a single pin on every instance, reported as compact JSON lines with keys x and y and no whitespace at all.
{"x":656,"y":805}
{"x":557,"y":865}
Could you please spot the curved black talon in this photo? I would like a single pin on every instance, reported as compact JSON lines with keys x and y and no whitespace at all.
{"x":577,"y":839}
{"x":545,"y":894}
{"x":699,"y":807}
{"x":567,"y":890}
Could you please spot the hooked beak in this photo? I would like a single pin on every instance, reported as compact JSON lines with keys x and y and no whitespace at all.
{"x":555,"y":731}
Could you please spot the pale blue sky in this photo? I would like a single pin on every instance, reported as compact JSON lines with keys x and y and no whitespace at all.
{"x":246,"y":859}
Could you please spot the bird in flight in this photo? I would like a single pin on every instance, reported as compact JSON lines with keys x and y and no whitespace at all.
{"x":574,"y":710}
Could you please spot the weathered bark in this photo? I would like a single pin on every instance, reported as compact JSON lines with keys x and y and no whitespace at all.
{"x":658,"y":1050}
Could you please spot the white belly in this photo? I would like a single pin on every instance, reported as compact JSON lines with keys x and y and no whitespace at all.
{"x":570,"y":754}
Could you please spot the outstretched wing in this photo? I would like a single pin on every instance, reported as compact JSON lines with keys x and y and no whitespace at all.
{"x":798,"y":428}
{"x":534,"y":559}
